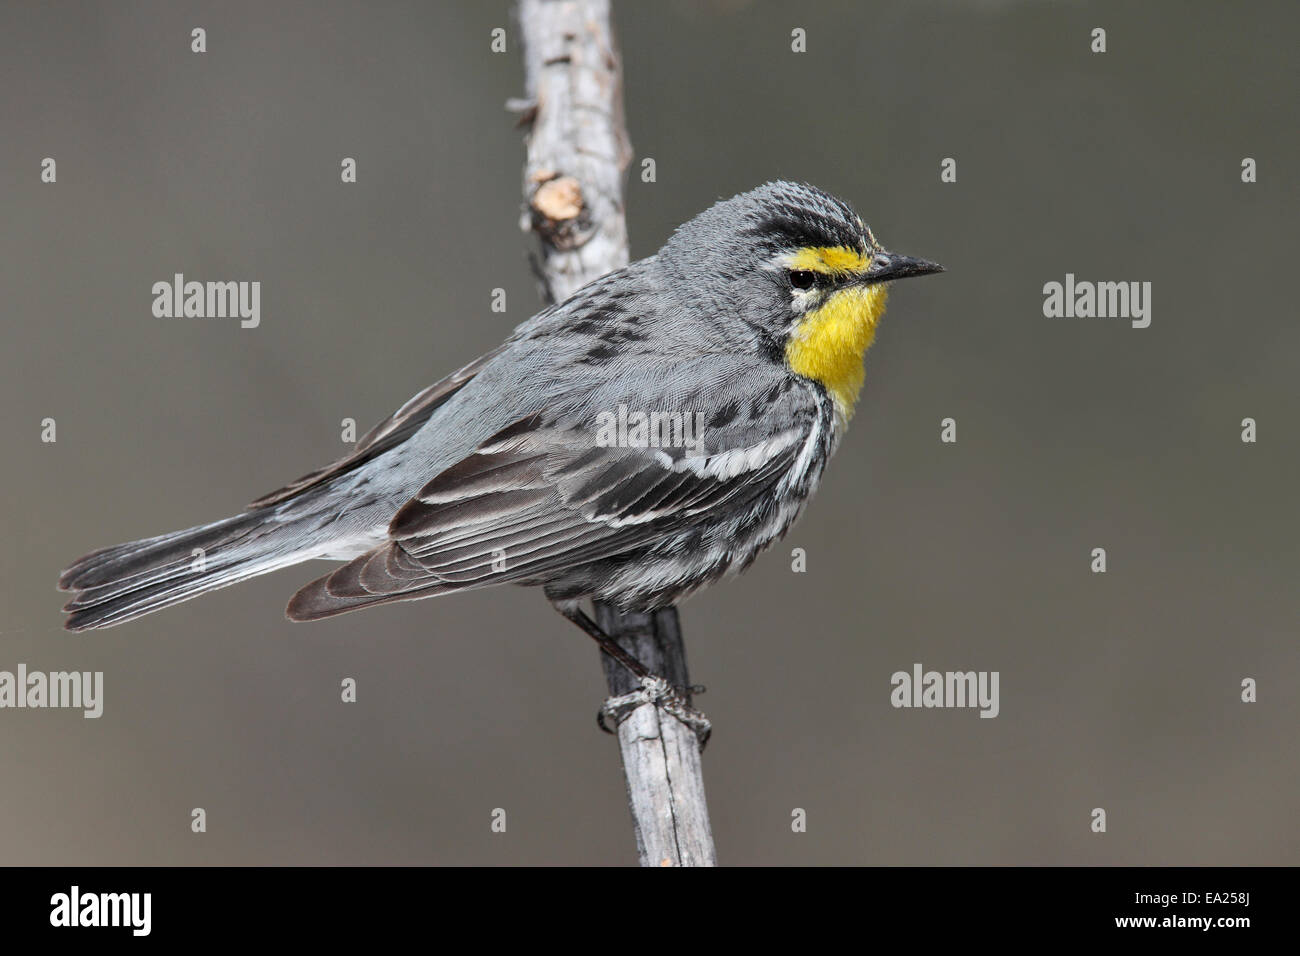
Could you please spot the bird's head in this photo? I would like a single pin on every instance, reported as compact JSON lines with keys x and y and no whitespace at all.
{"x":801,"y":269}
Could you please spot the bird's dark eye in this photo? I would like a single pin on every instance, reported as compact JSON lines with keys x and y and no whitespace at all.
{"x":802,"y":279}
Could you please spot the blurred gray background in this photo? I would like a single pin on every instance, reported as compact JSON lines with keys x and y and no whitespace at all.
{"x":1118,"y":690}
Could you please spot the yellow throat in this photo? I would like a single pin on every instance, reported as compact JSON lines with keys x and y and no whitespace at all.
{"x":828,"y":345}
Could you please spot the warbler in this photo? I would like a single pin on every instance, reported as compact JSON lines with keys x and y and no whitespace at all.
{"x":750,"y":324}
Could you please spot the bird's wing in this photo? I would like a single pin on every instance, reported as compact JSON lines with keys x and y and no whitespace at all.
{"x":392,"y":431}
{"x":542,"y":496}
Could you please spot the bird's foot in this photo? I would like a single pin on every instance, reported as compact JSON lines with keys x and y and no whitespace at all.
{"x":656,"y":691}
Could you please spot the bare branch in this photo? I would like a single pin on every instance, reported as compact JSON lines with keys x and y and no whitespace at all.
{"x":578,"y":153}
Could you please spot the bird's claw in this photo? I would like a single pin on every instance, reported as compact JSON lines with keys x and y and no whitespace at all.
{"x":657,"y":691}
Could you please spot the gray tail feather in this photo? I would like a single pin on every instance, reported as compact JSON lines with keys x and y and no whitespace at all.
{"x":118,"y":584}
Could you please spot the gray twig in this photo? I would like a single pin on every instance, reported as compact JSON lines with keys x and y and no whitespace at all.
{"x":577,"y":158}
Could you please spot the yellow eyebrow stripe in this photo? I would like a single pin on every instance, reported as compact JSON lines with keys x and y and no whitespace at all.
{"x":829,"y":259}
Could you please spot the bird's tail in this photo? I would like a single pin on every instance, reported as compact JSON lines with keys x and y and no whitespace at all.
{"x":121,"y":583}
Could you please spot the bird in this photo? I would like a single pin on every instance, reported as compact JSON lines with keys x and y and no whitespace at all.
{"x":534,"y":465}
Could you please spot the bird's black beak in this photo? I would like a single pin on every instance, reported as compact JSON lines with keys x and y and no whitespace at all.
{"x":887,"y":266}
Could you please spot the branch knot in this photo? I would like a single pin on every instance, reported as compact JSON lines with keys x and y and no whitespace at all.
{"x":559,"y":212}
